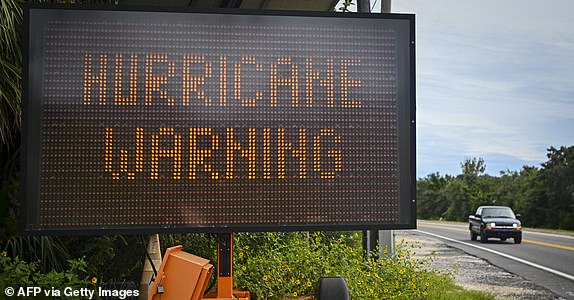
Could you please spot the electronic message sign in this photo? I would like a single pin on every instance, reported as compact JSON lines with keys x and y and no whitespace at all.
{"x":165,"y":121}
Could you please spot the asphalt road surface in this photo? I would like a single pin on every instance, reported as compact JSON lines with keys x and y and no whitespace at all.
{"x":544,"y":258}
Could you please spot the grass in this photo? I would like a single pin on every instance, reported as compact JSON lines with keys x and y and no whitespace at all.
{"x":446,"y":289}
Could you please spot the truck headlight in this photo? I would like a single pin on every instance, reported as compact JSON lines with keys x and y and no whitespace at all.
{"x":491,"y":225}
{"x":514,"y":225}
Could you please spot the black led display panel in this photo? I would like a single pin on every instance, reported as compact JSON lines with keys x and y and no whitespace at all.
{"x":213,"y":121}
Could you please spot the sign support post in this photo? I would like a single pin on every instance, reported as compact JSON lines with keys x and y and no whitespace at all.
{"x":225,"y":270}
{"x":225,"y":265}
{"x":386,"y":240}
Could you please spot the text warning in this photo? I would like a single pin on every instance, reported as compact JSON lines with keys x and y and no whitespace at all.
{"x":140,"y":121}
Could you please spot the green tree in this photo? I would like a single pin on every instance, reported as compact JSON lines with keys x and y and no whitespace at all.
{"x":346,"y":5}
{"x":515,"y":188}
{"x":543,"y":196}
{"x":431,"y":197}
{"x":557,"y":177}
{"x":472,"y":168}
{"x":458,"y":205}
{"x":468,"y":190}
{"x":532,"y":197}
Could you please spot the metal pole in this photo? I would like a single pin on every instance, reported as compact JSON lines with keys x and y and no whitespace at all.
{"x":370,"y":238}
{"x":149,"y":270}
{"x":224,"y":265}
{"x":364,"y":6}
{"x":385,"y":6}
{"x":366,"y":243}
{"x":386,"y":241}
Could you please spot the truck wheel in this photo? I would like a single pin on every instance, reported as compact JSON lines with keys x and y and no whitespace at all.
{"x":332,"y":288}
{"x":518,"y":240}
{"x":502,"y":239}
{"x":473,"y":235}
{"x":483,"y":237}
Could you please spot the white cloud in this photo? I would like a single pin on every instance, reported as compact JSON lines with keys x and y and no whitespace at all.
{"x":493,"y":77}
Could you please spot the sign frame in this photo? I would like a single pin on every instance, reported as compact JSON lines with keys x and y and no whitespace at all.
{"x":31,"y":150}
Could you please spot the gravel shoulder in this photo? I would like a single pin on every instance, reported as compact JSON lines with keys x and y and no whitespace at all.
{"x":483,"y":276}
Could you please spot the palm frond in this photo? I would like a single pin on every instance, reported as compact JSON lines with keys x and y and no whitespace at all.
{"x":10,"y":68}
{"x":48,"y":250}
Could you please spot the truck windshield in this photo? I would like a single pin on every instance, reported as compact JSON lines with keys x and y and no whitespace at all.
{"x":502,"y":212}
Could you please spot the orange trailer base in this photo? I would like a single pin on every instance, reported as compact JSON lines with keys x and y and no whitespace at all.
{"x":184,"y":276}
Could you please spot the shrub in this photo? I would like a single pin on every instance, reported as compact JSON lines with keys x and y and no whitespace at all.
{"x":15,"y":272}
{"x":289,"y":265}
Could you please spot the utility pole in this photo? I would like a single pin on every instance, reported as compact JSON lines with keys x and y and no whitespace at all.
{"x":385,"y":6}
{"x":364,"y":6}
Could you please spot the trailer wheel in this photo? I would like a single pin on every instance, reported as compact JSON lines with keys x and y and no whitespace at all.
{"x":332,"y":288}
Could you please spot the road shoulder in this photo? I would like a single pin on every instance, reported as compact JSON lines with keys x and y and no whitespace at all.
{"x":472,"y":272}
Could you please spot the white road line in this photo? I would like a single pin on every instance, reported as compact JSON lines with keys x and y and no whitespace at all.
{"x":527,"y":230}
{"x":520,"y":260}
{"x":548,"y":234}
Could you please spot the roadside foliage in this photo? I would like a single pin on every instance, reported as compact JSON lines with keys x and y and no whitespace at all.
{"x":544,"y":195}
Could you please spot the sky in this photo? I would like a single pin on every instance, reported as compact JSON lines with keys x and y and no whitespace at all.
{"x":495,"y":80}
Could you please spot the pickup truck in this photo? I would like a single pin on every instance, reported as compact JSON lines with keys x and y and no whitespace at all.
{"x":496,"y":222}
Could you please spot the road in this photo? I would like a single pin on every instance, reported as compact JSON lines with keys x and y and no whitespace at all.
{"x":544,"y":258}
